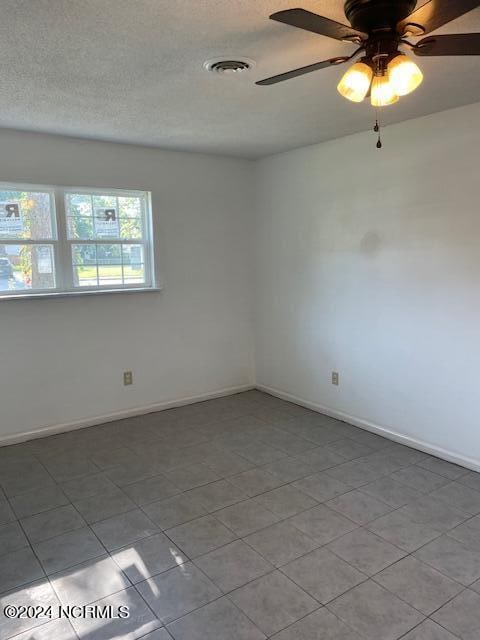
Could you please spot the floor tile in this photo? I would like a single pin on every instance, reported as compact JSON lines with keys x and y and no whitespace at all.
{"x":384,"y":462}
{"x":375,"y":612}
{"x":52,"y":523}
{"x":38,"y":500}
{"x":64,"y":468}
{"x":6,"y":513}
{"x":323,"y":575}
{"x":286,"y":501}
{"x":140,"y":621}
{"x":273,"y":602}
{"x":59,"y":629}
{"x":365,"y":551}
{"x":68,"y":549}
{"x":200,"y":536}
{"x":255,"y":481}
{"x":150,"y":490}
{"x":87,"y":486}
{"x":30,"y":479}
{"x":246,"y":517}
{"x":471,"y":479}
{"x":112,"y":457}
{"x":359,"y":506}
{"x":402,"y":532}
{"x":191,"y":476}
{"x":177,"y":592}
{"x":233,"y":565}
{"x":135,"y":471}
{"x":349,"y":449}
{"x":175,"y":510}
{"x":443,"y":468}
{"x":148,"y":557}
{"x":220,"y":620}
{"x":435,"y":513}
{"x":123,"y":529}
{"x":355,"y":473}
{"x":39,"y":593}
{"x":259,"y":453}
{"x":218,"y":495}
{"x":322,"y":486}
{"x":319,"y":625}
{"x":418,"y":584}
{"x":18,"y":568}
{"x":87,"y":582}
{"x":290,"y":469}
{"x":227,"y":464}
{"x":391,"y":492}
{"x":12,"y":538}
{"x":452,"y":558}
{"x":461,"y":616}
{"x":159,"y":634}
{"x":429,"y":630}
{"x":459,"y":496}
{"x":468,"y":533}
{"x":103,"y":505}
{"x":322,"y":524}
{"x":320,"y":459}
{"x":280,"y":543}
{"x":420,"y":479}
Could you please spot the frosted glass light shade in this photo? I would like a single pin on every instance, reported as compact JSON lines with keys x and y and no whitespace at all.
{"x":383,"y":92}
{"x":404,"y":75}
{"x":356,"y":82}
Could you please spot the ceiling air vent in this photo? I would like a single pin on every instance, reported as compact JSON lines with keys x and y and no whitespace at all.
{"x":236,"y":65}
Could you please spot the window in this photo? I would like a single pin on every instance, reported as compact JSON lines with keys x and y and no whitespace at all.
{"x":56,"y":240}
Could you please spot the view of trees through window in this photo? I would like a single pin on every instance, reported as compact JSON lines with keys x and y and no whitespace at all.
{"x":100,"y":241}
{"x":27,"y":216}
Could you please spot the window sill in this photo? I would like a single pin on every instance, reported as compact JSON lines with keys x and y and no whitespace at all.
{"x":74,"y":294}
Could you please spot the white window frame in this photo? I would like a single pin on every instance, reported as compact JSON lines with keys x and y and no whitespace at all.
{"x":62,"y":244}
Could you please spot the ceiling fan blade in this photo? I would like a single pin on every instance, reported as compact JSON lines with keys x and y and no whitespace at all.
{"x":318,"y":24}
{"x":436,"y":13}
{"x":458,"y":44}
{"x":303,"y":70}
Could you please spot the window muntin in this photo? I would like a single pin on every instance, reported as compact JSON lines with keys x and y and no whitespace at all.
{"x":103,"y":241}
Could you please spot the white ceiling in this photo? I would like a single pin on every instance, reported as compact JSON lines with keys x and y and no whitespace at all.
{"x":131,"y":71}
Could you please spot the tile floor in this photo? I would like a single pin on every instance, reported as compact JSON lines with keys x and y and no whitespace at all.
{"x":241,"y":518}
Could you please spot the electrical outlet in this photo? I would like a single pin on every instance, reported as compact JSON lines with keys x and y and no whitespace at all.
{"x":127,"y":378}
{"x":335,"y":378}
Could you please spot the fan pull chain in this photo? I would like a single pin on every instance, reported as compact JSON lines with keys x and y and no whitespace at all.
{"x":376,"y":128}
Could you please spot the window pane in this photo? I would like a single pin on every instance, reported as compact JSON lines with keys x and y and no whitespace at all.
{"x":130,"y":207}
{"x":80,"y":227}
{"x":102,"y":216}
{"x":133,"y":264}
{"x":26,"y":214}
{"x":84,"y":258}
{"x":131,"y":228}
{"x":105,"y":265}
{"x":26,"y":267}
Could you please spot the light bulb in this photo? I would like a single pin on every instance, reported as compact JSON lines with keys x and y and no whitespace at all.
{"x":404,"y":75}
{"x":356,"y":82}
{"x":383,"y":92}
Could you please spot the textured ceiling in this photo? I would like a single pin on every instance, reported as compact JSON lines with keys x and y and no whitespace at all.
{"x":131,"y":71}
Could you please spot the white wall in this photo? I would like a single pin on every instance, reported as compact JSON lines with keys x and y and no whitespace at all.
{"x":62,"y":360}
{"x":369,"y":264}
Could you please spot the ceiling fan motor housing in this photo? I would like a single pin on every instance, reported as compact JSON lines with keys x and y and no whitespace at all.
{"x":372,"y":15}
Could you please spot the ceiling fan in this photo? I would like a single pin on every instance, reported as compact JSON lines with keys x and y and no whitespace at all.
{"x":380,"y":28}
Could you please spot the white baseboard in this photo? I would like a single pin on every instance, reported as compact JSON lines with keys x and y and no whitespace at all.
{"x":120,"y":415}
{"x":386,"y":432}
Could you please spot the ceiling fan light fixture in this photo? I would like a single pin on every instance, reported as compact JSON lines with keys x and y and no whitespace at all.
{"x":405,"y":76}
{"x":383,"y":92}
{"x":356,"y":82}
